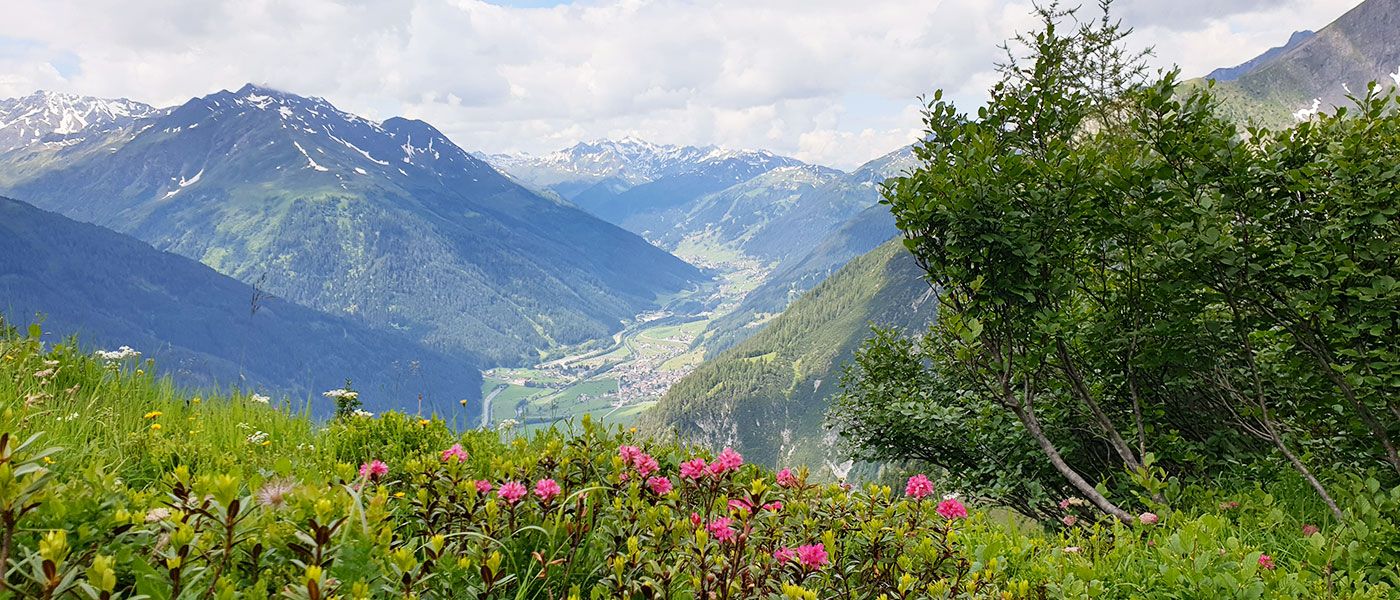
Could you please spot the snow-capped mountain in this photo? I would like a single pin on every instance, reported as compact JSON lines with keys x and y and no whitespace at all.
{"x":55,"y":117}
{"x":390,"y":222}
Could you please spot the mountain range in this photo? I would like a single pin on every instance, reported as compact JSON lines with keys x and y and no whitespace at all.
{"x":1316,"y":71}
{"x":389,"y":223}
{"x":206,"y":329}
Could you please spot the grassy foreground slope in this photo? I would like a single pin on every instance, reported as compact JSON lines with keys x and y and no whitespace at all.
{"x":768,"y":395}
{"x":116,"y":485}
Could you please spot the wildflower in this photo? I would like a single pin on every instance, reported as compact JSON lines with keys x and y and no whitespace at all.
{"x":720,"y":529}
{"x":952,"y":509}
{"x":359,"y":412}
{"x":507,"y":425}
{"x":273,"y":494}
{"x":1267,"y":562}
{"x":659,"y":485}
{"x":546,"y":490}
{"x":1148,"y":518}
{"x":812,"y":556}
{"x":483,"y":486}
{"x":1310,"y":530}
{"x":784,"y":555}
{"x":153,"y":414}
{"x":738,"y":504}
{"x":260,"y":399}
{"x":455,"y":452}
{"x":695,"y":519}
{"x":1231,"y":505}
{"x":341,"y":394}
{"x":118,"y":355}
{"x":629,"y":454}
{"x":786,"y":478}
{"x":257,"y":438}
{"x":511,"y":492}
{"x":773,"y":506}
{"x":1069,"y":520}
{"x":1072,"y":549}
{"x":646,"y":465}
{"x":157,"y":514}
{"x":155,"y":426}
{"x":463,"y":402}
{"x":728,"y":460}
{"x":693,"y":468}
{"x":373,"y":470}
{"x":424,"y":422}
{"x":918,"y":487}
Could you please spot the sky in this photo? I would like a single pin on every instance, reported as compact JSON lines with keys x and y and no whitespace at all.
{"x":833,"y":82}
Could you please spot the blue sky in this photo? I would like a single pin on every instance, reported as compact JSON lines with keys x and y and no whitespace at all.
{"x":827,"y":81}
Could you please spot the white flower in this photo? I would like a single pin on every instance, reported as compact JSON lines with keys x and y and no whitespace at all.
{"x":118,"y":355}
{"x":257,"y":437}
{"x":950,"y":496}
{"x":339,"y":394}
{"x":363,"y":413}
{"x":507,"y":425}
{"x":260,"y":399}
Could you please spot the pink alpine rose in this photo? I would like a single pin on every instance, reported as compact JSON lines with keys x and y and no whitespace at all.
{"x":511,"y":492}
{"x":693,"y":468}
{"x":787,"y":479}
{"x":659,"y":485}
{"x":952,"y":509}
{"x":628,"y":454}
{"x":720,"y":528}
{"x":373,"y":470}
{"x":812,"y":556}
{"x":784,"y":555}
{"x":455,"y":452}
{"x":646,"y":465}
{"x":918,"y":487}
{"x":546,"y":490}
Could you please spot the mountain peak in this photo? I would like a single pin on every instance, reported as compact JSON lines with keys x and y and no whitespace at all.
{"x":45,"y":115}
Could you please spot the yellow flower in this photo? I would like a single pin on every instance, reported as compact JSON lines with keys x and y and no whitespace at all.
{"x":424,"y":422}
{"x":398,"y":494}
{"x":155,"y":426}
{"x":267,"y":443}
{"x":153,"y":414}
{"x":48,"y":461}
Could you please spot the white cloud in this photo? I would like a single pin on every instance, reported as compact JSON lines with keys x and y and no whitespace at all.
{"x":777,"y":74}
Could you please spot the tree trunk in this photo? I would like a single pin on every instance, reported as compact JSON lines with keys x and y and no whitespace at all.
{"x":1027,"y":415}
{"x":1082,"y":391}
{"x":1302,"y":468}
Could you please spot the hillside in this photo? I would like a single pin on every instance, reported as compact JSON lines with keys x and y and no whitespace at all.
{"x":199,"y":326}
{"x":390,"y":223}
{"x":800,"y":272}
{"x":1357,"y":48}
{"x":768,"y":395}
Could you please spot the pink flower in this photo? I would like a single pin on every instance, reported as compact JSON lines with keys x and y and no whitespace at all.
{"x":646,"y":465}
{"x":659,"y":485}
{"x":918,"y":487}
{"x":546,"y":490}
{"x":1266,"y":561}
{"x":483,"y":486}
{"x":629,"y":454}
{"x":774,"y":506}
{"x":812,"y":556}
{"x":456,"y":452}
{"x":695,"y":519}
{"x":786,"y":478}
{"x":1148,"y":518}
{"x":1310,"y":530}
{"x":784,"y":555}
{"x":511,"y":492}
{"x":737,"y":505}
{"x":373,"y":470}
{"x":1069,"y":520}
{"x":952,"y":509}
{"x":720,"y":529}
{"x":693,"y":468}
{"x":728,"y":460}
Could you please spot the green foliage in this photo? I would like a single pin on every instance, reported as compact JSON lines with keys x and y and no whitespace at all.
{"x":1136,"y":295}
{"x":226,"y":518}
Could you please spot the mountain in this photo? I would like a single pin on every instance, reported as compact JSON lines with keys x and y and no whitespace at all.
{"x":201,"y":327}
{"x":1357,"y":48}
{"x":391,"y":223}
{"x":1233,"y":73}
{"x":58,"y":118}
{"x":798,"y":273}
{"x":767,"y":396}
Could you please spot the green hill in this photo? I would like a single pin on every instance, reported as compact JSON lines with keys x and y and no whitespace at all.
{"x":200,"y":326}
{"x":768,"y":396}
